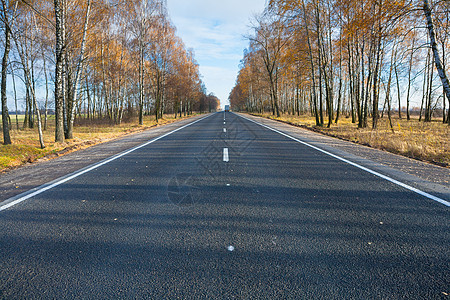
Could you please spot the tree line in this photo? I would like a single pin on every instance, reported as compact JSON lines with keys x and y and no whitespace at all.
{"x":359,"y":58}
{"x":95,"y":59}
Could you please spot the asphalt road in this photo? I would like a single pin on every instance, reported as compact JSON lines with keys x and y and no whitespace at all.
{"x":266,"y":218}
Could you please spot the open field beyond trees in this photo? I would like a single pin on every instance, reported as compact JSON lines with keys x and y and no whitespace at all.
{"x":25,"y":147}
{"x":427,"y":141}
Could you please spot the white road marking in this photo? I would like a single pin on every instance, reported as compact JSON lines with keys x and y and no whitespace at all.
{"x":225,"y":155}
{"x":404,"y":185}
{"x":224,"y":130}
{"x":39,"y":190}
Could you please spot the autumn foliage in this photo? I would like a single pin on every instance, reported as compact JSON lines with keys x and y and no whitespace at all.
{"x":359,"y":59}
{"x":97,"y":59}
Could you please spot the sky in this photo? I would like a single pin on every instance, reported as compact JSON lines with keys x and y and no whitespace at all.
{"x":215,"y":29}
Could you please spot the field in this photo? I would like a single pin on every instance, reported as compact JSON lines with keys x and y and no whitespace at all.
{"x":25,"y":146}
{"x":419,"y":140}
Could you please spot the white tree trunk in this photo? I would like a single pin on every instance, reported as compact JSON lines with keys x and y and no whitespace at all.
{"x":59,"y":90}
{"x":79,"y":71}
{"x":437,"y":60}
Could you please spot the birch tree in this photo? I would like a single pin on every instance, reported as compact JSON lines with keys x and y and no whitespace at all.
{"x":59,"y":61}
{"x":78,"y":72}
{"x":6,"y":9}
{"x":437,"y":60}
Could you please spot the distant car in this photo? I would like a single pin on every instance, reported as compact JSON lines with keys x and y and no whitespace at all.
{"x":227,"y":108}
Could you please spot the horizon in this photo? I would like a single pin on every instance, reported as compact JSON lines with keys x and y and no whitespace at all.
{"x":215,"y":31}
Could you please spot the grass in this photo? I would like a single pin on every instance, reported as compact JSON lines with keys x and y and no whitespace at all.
{"x":428,"y":141}
{"x":25,"y":146}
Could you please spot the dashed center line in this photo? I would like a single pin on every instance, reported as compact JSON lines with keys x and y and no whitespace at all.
{"x":225,"y":155}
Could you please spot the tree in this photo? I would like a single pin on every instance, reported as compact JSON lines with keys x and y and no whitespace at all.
{"x":111,"y":59}
{"x":5,"y":115}
{"x":437,"y":59}
{"x":355,"y":39}
{"x":79,"y":70}
{"x":270,"y":39}
{"x":59,"y":61}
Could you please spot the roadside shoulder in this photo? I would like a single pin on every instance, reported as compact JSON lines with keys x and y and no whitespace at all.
{"x":425,"y":176}
{"x":27,"y":177}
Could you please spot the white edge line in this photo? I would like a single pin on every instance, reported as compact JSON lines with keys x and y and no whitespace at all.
{"x":226,"y":158}
{"x":39,"y":190}
{"x":404,"y":185}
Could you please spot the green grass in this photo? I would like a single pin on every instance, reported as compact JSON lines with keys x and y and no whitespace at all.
{"x":16,"y":154}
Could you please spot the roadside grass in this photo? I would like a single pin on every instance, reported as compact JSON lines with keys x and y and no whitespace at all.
{"x":426,"y":141}
{"x":25,"y":146}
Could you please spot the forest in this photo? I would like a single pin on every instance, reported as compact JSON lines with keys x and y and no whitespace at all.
{"x":363,"y":60}
{"x":91,"y":61}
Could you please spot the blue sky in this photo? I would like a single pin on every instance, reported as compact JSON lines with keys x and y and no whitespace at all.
{"x":215,"y":30}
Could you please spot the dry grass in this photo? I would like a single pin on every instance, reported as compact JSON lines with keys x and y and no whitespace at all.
{"x":26,"y":148}
{"x":424,"y":141}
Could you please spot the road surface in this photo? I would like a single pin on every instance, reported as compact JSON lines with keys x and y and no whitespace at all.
{"x":225,"y":208}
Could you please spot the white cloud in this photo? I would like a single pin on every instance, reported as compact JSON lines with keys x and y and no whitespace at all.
{"x":210,"y":40}
{"x":215,"y":30}
{"x":217,"y":80}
